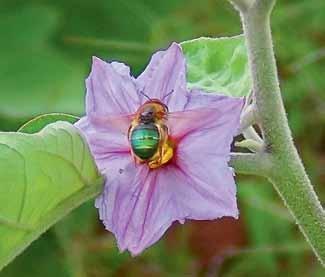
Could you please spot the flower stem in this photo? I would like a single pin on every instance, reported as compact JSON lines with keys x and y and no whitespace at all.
{"x":248,"y":163}
{"x":288,"y":174}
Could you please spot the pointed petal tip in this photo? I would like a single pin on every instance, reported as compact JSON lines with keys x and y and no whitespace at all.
{"x":121,"y":248}
{"x":176,"y":46}
{"x":181,"y":221}
{"x":122,"y":69}
{"x":135,"y":253}
{"x":132,"y":249}
{"x":233,"y":212}
{"x":112,"y":67}
{"x":96,"y":60}
{"x":235,"y":215}
{"x":175,"y":49}
{"x":97,"y":65}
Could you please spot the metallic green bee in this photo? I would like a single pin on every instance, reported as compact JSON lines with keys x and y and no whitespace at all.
{"x":148,"y":134}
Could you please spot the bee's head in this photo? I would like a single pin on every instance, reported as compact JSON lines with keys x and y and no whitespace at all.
{"x":152,"y":110}
{"x":147,"y":115}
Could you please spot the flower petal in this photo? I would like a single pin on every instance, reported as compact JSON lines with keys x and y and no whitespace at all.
{"x":212,"y":115}
{"x":122,"y":201}
{"x":106,"y":138}
{"x":204,"y":146}
{"x":137,"y":207}
{"x":164,"y":78}
{"x":140,"y":204}
{"x":201,"y":99}
{"x":110,"y":89}
{"x":121,"y":68}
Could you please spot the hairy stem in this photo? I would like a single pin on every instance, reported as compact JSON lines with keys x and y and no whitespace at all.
{"x":248,"y":163}
{"x":287,"y":174}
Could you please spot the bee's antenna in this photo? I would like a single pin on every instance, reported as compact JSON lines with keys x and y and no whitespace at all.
{"x":145,"y":95}
{"x":169,"y":93}
{"x":166,"y":107}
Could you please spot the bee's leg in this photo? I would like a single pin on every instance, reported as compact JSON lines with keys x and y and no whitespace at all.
{"x":135,"y":158}
{"x":155,"y":161}
{"x":163,"y":131}
{"x":164,"y":141}
{"x":167,"y":147}
{"x":160,"y":157}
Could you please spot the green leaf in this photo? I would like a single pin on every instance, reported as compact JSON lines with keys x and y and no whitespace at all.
{"x":43,"y":177}
{"x":39,"y":122}
{"x":77,"y":222}
{"x":218,"y":65}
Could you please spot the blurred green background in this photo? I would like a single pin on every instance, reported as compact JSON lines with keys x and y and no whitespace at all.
{"x":45,"y":53}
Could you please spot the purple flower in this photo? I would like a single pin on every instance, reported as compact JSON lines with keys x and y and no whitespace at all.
{"x":139,"y":203}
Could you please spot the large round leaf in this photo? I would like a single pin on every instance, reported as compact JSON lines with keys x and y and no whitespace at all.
{"x":43,"y":177}
{"x":38,"y":123}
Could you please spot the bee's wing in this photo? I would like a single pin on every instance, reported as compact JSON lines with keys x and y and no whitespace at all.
{"x":120,"y":123}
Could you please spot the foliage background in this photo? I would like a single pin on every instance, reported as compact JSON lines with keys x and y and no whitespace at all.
{"x":45,"y":53}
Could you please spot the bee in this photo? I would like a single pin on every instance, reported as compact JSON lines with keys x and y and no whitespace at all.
{"x":148,"y":134}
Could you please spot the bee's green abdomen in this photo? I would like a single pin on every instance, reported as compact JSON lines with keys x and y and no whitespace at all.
{"x":144,"y":140}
